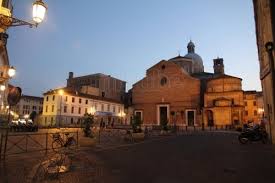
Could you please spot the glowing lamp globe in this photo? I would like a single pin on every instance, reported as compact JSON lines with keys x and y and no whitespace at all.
{"x":2,"y":87}
{"x":38,"y":11}
{"x":11,"y":71}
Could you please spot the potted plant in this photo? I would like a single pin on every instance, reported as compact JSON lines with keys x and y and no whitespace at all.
{"x":137,"y":133}
{"x":164,"y":127}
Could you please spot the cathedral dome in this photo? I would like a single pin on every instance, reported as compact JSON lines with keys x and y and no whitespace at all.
{"x":197,"y":60}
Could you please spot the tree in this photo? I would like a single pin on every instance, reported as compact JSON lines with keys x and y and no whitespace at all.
{"x":88,"y":121}
{"x":164,"y":124}
{"x":33,"y":115}
{"x":136,"y":124}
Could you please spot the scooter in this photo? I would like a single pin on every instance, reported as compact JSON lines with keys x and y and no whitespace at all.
{"x":253,"y":134}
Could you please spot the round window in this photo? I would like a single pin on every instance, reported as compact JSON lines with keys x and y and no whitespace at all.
{"x":163,"y":81}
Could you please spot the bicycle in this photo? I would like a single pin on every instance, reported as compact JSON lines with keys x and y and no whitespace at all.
{"x":59,"y":143}
{"x":51,"y":167}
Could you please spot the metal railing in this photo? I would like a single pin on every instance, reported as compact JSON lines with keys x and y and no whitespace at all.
{"x":19,"y":143}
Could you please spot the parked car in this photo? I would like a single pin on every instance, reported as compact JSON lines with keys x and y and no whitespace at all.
{"x":20,"y":126}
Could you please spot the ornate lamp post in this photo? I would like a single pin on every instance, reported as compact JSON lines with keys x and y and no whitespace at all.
{"x":7,"y":20}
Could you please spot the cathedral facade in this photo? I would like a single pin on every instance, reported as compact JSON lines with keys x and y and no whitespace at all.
{"x":180,"y":92}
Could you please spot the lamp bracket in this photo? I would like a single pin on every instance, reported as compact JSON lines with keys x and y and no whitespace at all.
{"x":7,"y":21}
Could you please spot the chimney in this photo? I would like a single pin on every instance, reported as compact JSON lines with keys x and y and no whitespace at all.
{"x":71,"y":75}
{"x":218,"y":66}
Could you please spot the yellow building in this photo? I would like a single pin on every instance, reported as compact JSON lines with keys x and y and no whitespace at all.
{"x":253,"y":102}
{"x":223,"y":101}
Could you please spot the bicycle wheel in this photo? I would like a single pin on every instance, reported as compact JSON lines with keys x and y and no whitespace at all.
{"x":71,"y":144}
{"x":57,"y":145}
{"x":40,"y":174}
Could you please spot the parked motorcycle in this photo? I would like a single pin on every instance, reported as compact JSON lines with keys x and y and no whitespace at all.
{"x":253,"y":134}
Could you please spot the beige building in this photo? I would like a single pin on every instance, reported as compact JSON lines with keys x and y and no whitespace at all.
{"x":101,"y":84}
{"x":68,"y":108}
{"x":265,"y":31}
{"x":27,"y":105}
{"x":223,"y":101}
{"x":254,"y":108}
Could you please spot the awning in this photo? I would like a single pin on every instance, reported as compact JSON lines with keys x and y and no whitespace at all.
{"x":99,"y":113}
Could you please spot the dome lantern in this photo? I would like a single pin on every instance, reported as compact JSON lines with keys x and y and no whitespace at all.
{"x":191,"y":47}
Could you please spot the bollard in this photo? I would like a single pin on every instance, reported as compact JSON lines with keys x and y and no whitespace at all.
{"x":46,"y":143}
{"x":26,"y":145}
{"x":6,"y":141}
{"x":77,"y":138}
{"x":1,"y":146}
{"x":99,"y":136}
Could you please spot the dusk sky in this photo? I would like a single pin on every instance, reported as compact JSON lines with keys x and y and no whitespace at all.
{"x":123,"y":38}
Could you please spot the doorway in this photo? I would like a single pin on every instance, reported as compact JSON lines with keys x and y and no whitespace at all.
{"x":190,"y":117}
{"x":162,"y":113}
{"x":210,"y":118}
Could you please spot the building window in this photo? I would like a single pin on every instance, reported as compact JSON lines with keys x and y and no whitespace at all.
{"x":52,"y":108}
{"x":246,"y":113}
{"x":66,"y":99}
{"x":65,"y":109}
{"x":45,"y":119}
{"x":108,"y":107}
{"x":34,"y":108}
{"x":103,"y":94}
{"x":163,"y":81}
{"x":245,"y":103}
{"x":254,"y":103}
{"x":86,"y":110}
{"x":72,"y":120}
{"x":53,"y":97}
{"x":80,"y":100}
{"x":72,"y":111}
{"x":114,"y":109}
{"x":72,"y":99}
{"x":5,"y":3}
{"x":79,"y":110}
{"x":102,"y":107}
{"x":46,"y":110}
{"x":47,"y":98}
{"x":86,"y":101}
{"x":255,"y":113}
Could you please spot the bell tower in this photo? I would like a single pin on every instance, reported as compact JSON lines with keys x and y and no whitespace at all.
{"x":218,"y":66}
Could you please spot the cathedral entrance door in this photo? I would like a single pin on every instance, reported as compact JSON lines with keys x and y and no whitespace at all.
{"x":163,"y":114}
{"x":190,"y":118}
{"x":210,"y":118}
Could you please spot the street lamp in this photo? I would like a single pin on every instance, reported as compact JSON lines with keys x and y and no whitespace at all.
{"x":2,"y":87}
{"x":38,"y":11}
{"x":61,"y":93}
{"x":11,"y":72}
{"x":7,"y":20}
